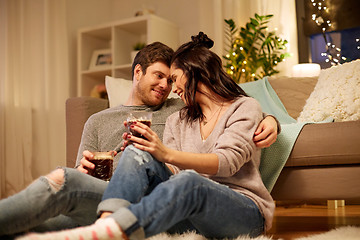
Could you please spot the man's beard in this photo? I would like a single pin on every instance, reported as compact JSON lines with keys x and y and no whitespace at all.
{"x":143,"y":95}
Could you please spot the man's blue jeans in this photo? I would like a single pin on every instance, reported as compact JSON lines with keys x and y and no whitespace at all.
{"x":146,"y":199}
{"x":40,"y":207}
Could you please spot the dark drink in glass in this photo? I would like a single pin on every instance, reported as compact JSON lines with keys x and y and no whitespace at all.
{"x":103,"y":162}
{"x":135,"y":133}
{"x":138,"y":116}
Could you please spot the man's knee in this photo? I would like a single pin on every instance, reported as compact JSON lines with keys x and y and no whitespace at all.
{"x":56,"y":179}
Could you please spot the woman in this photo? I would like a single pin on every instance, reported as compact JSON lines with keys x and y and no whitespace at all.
{"x":204,"y":177}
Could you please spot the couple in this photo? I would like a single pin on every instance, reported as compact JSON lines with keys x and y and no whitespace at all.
{"x":203,"y":177}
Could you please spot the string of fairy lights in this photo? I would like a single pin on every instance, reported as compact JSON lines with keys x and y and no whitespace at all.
{"x":333,"y":53}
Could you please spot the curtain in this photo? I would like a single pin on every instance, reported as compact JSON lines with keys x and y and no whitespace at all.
{"x":34,"y":87}
{"x":284,"y":21}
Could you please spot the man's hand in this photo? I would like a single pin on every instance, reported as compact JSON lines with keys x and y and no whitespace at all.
{"x":266,"y":132}
{"x":84,"y":162}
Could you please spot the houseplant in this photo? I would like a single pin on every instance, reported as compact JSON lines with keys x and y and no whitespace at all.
{"x":136,"y":48}
{"x":252,"y":51}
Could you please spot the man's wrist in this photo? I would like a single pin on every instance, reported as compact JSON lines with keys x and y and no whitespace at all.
{"x":278,"y":126}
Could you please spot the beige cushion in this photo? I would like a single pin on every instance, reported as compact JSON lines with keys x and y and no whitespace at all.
{"x":118,"y":90}
{"x":293,"y":92}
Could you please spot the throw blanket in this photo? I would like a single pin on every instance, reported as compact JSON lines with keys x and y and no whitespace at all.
{"x":274,"y":157}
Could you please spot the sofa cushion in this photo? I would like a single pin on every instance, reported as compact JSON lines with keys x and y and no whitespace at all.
{"x":336,"y":95}
{"x":293,"y":92}
{"x":335,"y":143}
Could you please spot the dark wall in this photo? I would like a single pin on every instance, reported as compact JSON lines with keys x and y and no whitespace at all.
{"x":343,"y":14}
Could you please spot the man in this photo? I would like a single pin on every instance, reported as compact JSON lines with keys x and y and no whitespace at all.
{"x":66,"y":197}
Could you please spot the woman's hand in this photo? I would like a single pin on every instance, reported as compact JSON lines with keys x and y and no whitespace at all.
{"x":151,"y":144}
{"x":207,"y":163}
{"x":125,"y":138}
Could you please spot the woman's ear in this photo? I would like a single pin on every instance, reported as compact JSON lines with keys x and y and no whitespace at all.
{"x":138,"y":72}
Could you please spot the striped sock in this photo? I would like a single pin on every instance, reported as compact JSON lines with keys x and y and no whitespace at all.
{"x":103,"y":229}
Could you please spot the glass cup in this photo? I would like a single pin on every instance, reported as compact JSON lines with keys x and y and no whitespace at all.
{"x":103,"y":162}
{"x":138,"y":116}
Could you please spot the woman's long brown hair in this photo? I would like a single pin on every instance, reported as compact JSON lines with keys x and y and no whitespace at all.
{"x":200,"y":64}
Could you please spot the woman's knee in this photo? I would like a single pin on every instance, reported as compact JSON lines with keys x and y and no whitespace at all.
{"x":132,"y":155}
{"x":189,"y":175}
{"x":188,"y":178}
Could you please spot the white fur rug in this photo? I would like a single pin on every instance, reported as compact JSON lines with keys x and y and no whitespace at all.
{"x":341,"y":233}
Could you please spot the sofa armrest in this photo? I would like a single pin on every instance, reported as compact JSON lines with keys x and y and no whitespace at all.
{"x":77,"y":111}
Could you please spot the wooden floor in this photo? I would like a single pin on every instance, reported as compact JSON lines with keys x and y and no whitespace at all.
{"x":294,"y":221}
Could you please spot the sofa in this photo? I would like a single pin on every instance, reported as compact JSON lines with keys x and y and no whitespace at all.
{"x":324,"y":163}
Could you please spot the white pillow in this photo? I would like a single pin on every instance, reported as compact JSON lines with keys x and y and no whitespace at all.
{"x":118,"y":90}
{"x":336,"y":95}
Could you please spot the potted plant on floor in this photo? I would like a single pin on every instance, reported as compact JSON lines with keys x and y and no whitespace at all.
{"x":253,"y":51}
{"x":136,"y":48}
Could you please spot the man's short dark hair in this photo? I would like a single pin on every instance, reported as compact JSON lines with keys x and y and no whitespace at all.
{"x":151,"y":53}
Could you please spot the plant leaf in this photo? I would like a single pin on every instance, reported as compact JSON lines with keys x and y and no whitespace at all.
{"x":253,"y":21}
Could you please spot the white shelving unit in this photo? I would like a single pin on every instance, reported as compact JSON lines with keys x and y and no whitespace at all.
{"x":119,"y":38}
